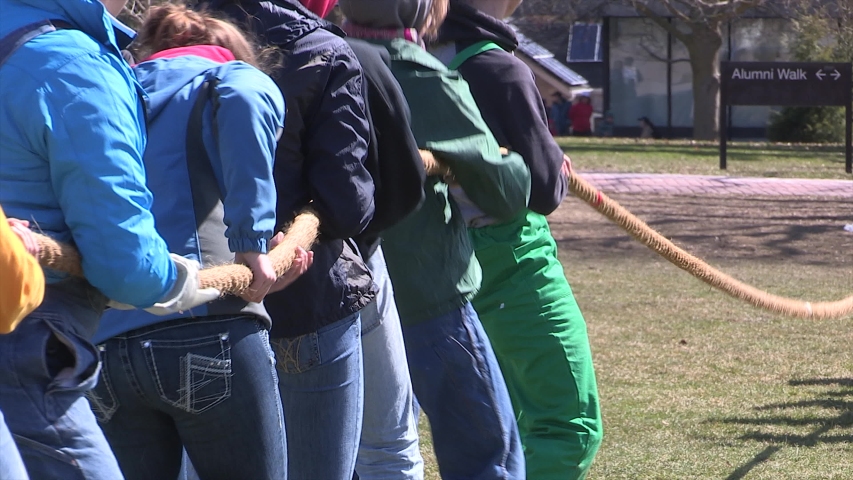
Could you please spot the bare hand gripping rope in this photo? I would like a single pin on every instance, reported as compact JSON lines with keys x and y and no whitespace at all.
{"x":232,"y":278}
{"x":680,"y":258}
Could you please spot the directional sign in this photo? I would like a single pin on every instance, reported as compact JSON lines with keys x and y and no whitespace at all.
{"x":786,"y":83}
{"x":823,"y":72}
{"x":810,"y":84}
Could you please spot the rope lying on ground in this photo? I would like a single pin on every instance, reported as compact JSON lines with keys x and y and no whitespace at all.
{"x":680,"y":258}
{"x":231,"y":278}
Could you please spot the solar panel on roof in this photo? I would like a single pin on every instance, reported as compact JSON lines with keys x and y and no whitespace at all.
{"x":546,"y":59}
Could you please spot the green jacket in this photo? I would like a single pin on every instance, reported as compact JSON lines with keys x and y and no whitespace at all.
{"x":429,"y":254}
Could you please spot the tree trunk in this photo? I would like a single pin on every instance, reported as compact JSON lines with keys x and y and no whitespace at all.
{"x":704,"y":49}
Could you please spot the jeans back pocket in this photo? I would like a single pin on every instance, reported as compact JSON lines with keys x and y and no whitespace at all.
{"x":102,"y":398}
{"x":193,"y":375}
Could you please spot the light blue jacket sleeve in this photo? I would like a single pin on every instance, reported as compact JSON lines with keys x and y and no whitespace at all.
{"x":249,"y":117}
{"x":95,"y":138}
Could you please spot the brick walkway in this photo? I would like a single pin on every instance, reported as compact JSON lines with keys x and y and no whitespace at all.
{"x":717,"y":185}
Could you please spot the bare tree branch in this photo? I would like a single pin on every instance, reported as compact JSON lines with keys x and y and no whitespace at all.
{"x":662,"y":22}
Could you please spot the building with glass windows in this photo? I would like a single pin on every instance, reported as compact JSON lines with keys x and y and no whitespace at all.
{"x":643,"y":71}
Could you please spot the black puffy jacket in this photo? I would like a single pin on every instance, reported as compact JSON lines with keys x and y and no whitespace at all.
{"x":319,"y":159}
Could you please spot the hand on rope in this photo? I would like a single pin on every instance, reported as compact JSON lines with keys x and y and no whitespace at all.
{"x":186,"y":293}
{"x":28,"y":238}
{"x":287,"y":250}
{"x":566,"y":167}
{"x":263,"y":275}
{"x":680,"y":258}
{"x":301,"y":261}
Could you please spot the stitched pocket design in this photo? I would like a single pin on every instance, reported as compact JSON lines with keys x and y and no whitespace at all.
{"x":192,"y":375}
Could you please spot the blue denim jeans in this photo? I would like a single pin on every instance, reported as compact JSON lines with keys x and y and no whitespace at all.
{"x":459,"y":386}
{"x":389,"y":434}
{"x":205,"y":384}
{"x":46,"y":365}
{"x":321,"y":384}
{"x":11,"y":465}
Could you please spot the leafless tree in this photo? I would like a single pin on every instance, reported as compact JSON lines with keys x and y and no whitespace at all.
{"x":698,"y":25}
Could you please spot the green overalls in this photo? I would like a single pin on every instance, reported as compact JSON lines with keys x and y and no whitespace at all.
{"x":539,"y":336}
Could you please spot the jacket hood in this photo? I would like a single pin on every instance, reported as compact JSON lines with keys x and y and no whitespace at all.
{"x":90,"y":16}
{"x":279,"y":22}
{"x":386,"y":13}
{"x":171,"y":71}
{"x":466,"y":24}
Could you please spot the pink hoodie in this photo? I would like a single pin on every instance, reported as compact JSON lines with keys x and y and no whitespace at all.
{"x":210,"y":52}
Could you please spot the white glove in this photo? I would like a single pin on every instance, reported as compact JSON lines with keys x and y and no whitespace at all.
{"x":186,"y":293}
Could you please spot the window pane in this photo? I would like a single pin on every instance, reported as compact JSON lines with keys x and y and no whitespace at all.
{"x":637,"y":71}
{"x":682,"y":86}
{"x":584,"y":43}
{"x":758,"y":40}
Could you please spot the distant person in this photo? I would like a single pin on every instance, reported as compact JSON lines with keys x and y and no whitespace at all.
{"x":559,"y":111}
{"x":605,"y":128}
{"x":581,"y":115}
{"x":629,"y":76}
{"x":648,"y":129}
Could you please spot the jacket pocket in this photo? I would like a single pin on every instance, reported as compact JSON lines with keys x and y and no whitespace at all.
{"x":193,"y":375}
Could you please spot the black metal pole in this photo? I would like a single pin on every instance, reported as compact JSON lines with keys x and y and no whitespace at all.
{"x":848,"y":147}
{"x":669,"y":82}
{"x":724,"y":102}
{"x":723,"y":136}
{"x":605,"y":60}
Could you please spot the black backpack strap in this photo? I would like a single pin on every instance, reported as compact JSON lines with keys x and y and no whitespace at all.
{"x":12,"y":42}
{"x":207,"y":198}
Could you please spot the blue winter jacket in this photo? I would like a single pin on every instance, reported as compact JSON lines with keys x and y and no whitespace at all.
{"x":71,"y":140}
{"x":215,"y":205}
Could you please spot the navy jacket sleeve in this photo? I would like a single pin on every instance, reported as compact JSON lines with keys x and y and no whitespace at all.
{"x":336,"y":146}
{"x":393,"y":157}
{"x":518,"y":122}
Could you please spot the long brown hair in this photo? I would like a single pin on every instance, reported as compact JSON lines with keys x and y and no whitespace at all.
{"x":435,"y":17}
{"x":171,"y":26}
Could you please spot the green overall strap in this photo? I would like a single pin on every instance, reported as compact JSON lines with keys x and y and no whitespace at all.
{"x":472,"y":51}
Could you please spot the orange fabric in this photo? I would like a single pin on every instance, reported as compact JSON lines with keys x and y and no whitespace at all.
{"x":21,"y":281}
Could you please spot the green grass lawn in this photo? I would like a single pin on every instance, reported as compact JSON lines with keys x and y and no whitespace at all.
{"x":745,"y":159}
{"x":696,"y":385}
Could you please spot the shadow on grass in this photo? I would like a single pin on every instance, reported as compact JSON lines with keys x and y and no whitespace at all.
{"x":831,"y":400}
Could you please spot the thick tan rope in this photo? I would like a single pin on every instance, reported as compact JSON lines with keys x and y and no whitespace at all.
{"x":303,"y":232}
{"x":231,"y":278}
{"x":680,"y":258}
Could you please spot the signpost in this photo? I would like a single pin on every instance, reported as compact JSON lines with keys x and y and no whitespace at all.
{"x":809,"y":84}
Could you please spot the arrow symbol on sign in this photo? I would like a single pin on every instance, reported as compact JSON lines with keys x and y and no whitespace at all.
{"x":820,"y":74}
{"x":836,"y":74}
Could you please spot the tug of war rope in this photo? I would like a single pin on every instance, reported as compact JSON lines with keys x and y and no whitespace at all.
{"x":234,"y":278}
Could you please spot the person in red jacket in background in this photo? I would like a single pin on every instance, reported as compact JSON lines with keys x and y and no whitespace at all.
{"x":580,"y":115}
